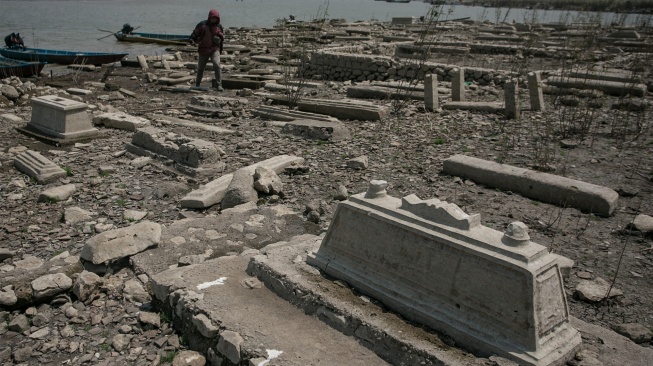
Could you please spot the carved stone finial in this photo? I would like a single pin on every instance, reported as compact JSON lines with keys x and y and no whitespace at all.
{"x":377,"y":189}
{"x":516,"y":234}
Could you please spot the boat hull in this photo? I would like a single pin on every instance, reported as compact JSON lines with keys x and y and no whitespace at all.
{"x":167,"y":39}
{"x":22,"y":69}
{"x":62,"y":57}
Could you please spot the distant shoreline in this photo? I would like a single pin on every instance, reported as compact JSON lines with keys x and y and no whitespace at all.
{"x":619,"y":6}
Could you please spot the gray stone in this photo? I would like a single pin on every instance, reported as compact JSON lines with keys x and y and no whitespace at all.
{"x":22,"y":354}
{"x":135,"y":292}
{"x":507,"y":296}
{"x":341,"y":193}
{"x":634,"y":331}
{"x":120,"y":243}
{"x":74,"y":215}
{"x":535,"y":92}
{"x":41,"y":333}
{"x":86,"y":284}
{"x":204,"y":326}
{"x":8,"y":296}
{"x":29,"y":262}
{"x":541,"y":186}
{"x":229,"y":345}
{"x":6,"y":253}
{"x":120,"y":342}
{"x":50,"y":285}
{"x":133,"y":215}
{"x":148,"y":318}
{"x":595,"y":290}
{"x":18,"y":324}
{"x":267,"y":181}
{"x":57,"y":194}
{"x":189,"y":358}
{"x":359,"y":163}
{"x":9,"y":92}
{"x":77,"y":91}
{"x":38,"y":167}
{"x":643,"y":223}
{"x":5,"y":354}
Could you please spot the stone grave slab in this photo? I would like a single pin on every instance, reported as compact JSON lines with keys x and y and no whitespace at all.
{"x":121,"y":121}
{"x":544,"y":187}
{"x":491,"y":107}
{"x":492,"y":292}
{"x":615,"y":88}
{"x":38,"y":167}
{"x":281,"y":114}
{"x":344,"y":109}
{"x":233,"y":83}
{"x":60,"y":120}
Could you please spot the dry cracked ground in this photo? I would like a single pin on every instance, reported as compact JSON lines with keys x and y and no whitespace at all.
{"x":117,"y":325}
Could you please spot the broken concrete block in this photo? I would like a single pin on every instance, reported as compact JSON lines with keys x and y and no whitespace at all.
{"x":38,"y":167}
{"x":214,"y":191}
{"x":121,"y":121}
{"x":120,"y":243}
{"x":229,"y":345}
{"x":496,"y":293}
{"x":544,"y":187}
{"x":317,"y":130}
{"x":267,"y":181}
{"x":188,"y":152}
{"x":241,"y":189}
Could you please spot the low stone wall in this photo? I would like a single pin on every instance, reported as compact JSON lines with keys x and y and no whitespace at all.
{"x":341,"y":66}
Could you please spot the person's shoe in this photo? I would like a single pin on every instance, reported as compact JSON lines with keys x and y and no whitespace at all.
{"x":218,"y":87}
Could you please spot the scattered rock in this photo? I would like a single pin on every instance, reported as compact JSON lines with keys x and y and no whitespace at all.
{"x":50,"y":285}
{"x":634,"y":331}
{"x":595,"y":290}
{"x":189,"y":358}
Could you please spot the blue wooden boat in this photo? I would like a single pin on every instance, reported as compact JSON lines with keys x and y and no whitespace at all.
{"x":10,"y":67}
{"x":61,"y":57}
{"x":170,"y":39}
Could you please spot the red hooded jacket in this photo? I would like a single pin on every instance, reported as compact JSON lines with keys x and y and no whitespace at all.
{"x":208,"y":36}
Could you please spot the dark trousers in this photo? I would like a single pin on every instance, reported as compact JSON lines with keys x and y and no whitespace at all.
{"x":201,"y":65}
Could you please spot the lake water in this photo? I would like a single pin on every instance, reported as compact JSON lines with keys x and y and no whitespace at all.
{"x":73,"y":24}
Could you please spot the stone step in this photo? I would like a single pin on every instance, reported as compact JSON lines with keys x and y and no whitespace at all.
{"x":228,"y":314}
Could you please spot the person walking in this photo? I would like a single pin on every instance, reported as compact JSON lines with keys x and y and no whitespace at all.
{"x":209,"y":36}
